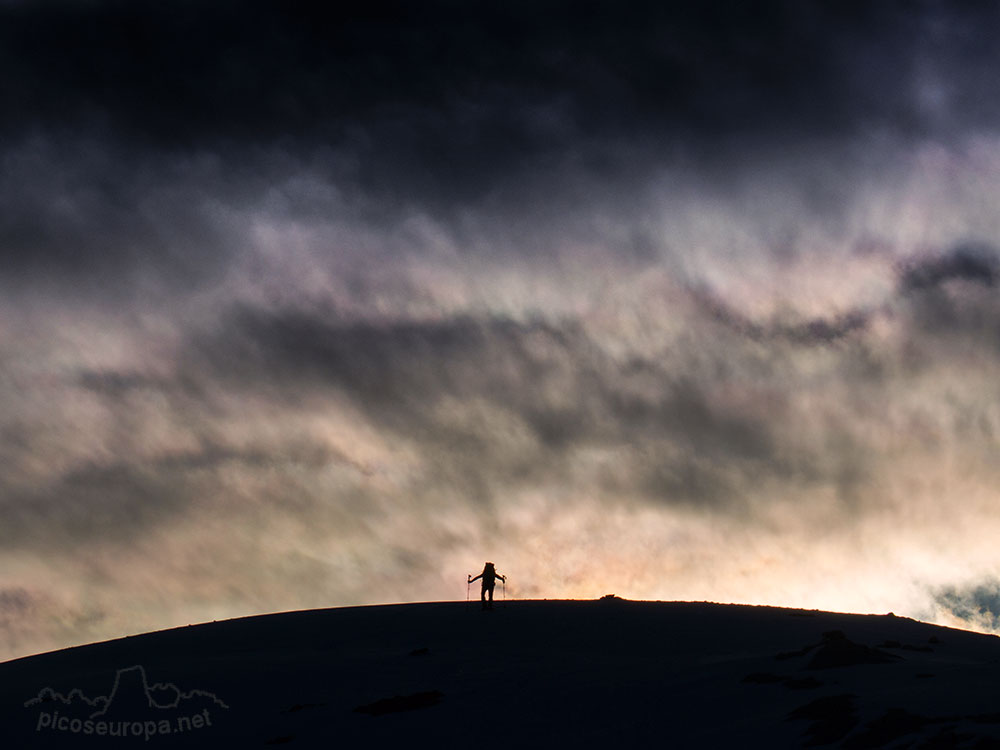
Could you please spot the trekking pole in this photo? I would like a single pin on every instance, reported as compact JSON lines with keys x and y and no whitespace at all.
{"x":468,"y":585}
{"x":504,"y":582}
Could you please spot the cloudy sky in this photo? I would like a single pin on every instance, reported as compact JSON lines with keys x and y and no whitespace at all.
{"x":306,"y":307}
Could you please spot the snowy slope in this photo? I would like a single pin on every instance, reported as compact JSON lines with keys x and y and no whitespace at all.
{"x":533,"y":674}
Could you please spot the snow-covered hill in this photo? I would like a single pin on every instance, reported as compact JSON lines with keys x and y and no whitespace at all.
{"x":606,"y":673}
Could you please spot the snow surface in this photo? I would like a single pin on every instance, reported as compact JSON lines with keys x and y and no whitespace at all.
{"x":600,"y":673}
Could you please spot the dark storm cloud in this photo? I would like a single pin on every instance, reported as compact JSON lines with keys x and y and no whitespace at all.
{"x":156,"y":448}
{"x":92,"y":212}
{"x":130,"y":490}
{"x":919,"y":290}
{"x":810,"y":332}
{"x":273,"y":68}
{"x":398,"y":366}
{"x":118,"y":384}
{"x":110,"y":501}
{"x":951,"y":296}
{"x":211,"y":457}
{"x":978,"y":605}
{"x":15,"y":602}
{"x":457,"y":99}
{"x":138,"y":138}
{"x":550,"y":378}
{"x":319,"y":298}
{"x":969,"y":262}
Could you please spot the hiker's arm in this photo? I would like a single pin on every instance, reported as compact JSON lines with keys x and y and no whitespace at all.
{"x":476,"y":578}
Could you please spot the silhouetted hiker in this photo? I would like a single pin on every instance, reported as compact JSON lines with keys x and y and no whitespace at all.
{"x":489,"y":576}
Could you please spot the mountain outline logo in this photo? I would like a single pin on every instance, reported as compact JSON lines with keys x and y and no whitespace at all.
{"x":136,"y":674}
{"x":133,"y":707}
